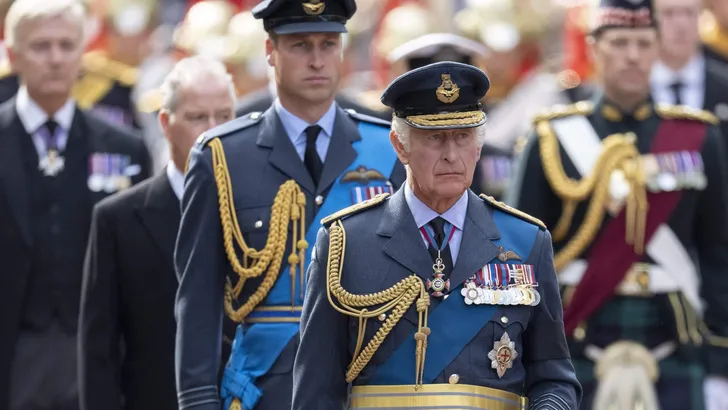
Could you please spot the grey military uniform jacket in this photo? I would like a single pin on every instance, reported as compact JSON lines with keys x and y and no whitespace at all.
{"x":260,"y":158}
{"x":384,"y":246}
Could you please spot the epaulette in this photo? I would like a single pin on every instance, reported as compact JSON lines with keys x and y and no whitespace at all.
{"x":229,"y":127}
{"x":367,"y":118}
{"x":682,"y":112}
{"x":150,"y":101}
{"x":96,"y":62}
{"x":562,"y":110}
{"x":513,"y":211}
{"x":356,"y":208}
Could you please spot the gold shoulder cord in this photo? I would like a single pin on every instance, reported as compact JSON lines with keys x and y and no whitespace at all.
{"x":398,"y":299}
{"x":289,"y":206}
{"x":618,"y":154}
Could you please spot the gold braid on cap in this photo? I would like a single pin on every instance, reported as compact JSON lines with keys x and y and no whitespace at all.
{"x":398,"y":299}
{"x":289,"y":207}
{"x":618,"y":154}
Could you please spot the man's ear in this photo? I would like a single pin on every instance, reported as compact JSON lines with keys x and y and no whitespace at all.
{"x":269,"y":47}
{"x":399,"y":148}
{"x":163,"y":119}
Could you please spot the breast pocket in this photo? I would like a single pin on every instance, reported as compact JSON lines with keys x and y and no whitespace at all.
{"x":499,"y":345}
{"x":254,"y":223}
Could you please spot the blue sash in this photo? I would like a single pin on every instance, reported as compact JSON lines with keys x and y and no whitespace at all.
{"x":256,"y":347}
{"x":449,"y":336}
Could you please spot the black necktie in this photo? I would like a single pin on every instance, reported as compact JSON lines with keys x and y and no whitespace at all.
{"x":52,"y":142}
{"x":676,"y":88}
{"x":438,"y":225}
{"x":311,"y":158}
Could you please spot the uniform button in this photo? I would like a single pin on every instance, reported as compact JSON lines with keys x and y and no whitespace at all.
{"x":382,"y":317}
{"x":454,"y":379}
{"x":504,"y":320}
{"x":258,"y":224}
{"x":55,"y":229}
{"x":55,"y":209}
{"x":319,"y":200}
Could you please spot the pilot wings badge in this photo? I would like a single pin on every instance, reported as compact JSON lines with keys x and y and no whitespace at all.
{"x":314,"y":7}
{"x":363,"y":175}
{"x":448,"y":91}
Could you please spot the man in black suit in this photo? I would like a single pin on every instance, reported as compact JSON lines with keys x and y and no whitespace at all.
{"x":686,"y":75}
{"x":127,"y":325}
{"x":56,"y":162}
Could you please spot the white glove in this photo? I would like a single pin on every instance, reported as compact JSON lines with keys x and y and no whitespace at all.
{"x":715,"y":389}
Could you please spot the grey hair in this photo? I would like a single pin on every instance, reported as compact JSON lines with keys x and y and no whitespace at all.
{"x":22,"y":11}
{"x":192,"y":70}
{"x":402,"y":129}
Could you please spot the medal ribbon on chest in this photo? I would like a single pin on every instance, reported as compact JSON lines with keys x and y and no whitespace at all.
{"x":438,"y":285}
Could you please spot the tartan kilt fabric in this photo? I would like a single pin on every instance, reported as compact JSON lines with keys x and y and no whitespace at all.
{"x":650,"y":322}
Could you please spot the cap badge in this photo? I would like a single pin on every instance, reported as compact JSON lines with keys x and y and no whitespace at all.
{"x":448,"y":91}
{"x":314,"y":7}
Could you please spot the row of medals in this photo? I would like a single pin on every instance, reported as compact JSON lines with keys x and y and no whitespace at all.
{"x":514,"y":295}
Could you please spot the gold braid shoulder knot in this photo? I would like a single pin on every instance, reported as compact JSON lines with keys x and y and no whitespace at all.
{"x":618,"y":154}
{"x":398,"y":299}
{"x":289,"y":207}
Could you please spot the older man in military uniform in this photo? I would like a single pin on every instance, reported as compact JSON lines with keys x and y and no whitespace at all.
{"x":438,"y":297}
{"x":635,"y":195}
{"x":255,"y":193}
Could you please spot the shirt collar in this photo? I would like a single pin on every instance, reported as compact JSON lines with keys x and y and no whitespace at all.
{"x":692,"y":74}
{"x":33,"y":117}
{"x":176,"y":180}
{"x":423,"y":214}
{"x":295,"y":126}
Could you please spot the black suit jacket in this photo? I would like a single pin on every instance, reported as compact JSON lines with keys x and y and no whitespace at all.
{"x":716,"y":94}
{"x":260,"y":101}
{"x":127,"y":326}
{"x":16,"y":238}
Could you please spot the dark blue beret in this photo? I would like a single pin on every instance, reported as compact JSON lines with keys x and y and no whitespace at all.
{"x":623,"y":14}
{"x":305,"y":16}
{"x":440,"y":95}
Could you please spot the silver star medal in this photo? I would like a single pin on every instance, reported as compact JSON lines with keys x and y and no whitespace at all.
{"x":503,"y":354}
{"x":52,"y":164}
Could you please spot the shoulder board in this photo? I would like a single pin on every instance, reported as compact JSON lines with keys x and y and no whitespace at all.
{"x":513,"y":211}
{"x":238,"y":124}
{"x":356,"y":208}
{"x":562,"y":110}
{"x":682,"y":112}
{"x":367,"y":118}
{"x":96,"y":62}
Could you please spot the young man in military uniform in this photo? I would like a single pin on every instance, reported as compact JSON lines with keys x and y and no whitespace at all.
{"x":255,"y":193}
{"x":438,"y":297}
{"x":635,"y":196}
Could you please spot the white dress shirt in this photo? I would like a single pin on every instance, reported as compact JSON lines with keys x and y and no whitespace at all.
{"x":176,"y":180}
{"x":692,"y":76}
{"x":296,"y":127}
{"x":33,"y":118}
{"x":455,"y":216}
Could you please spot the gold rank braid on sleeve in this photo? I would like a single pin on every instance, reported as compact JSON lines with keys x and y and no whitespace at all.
{"x":289,"y":207}
{"x":618,"y":154}
{"x":398,"y":299}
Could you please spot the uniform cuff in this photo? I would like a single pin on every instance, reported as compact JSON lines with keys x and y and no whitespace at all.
{"x":199,"y":398}
{"x":549,"y":401}
{"x":717,"y":357}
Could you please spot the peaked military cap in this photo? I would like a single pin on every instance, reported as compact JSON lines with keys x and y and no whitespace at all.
{"x":441,"y":95}
{"x":305,"y":16}
{"x":436,"y":47}
{"x":623,"y":14}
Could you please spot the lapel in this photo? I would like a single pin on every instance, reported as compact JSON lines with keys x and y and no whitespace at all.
{"x":405,"y":245}
{"x":160,"y":215}
{"x":476,"y":246}
{"x":283,"y":156}
{"x":12,"y":174}
{"x":341,"y":153}
{"x":713,"y":89}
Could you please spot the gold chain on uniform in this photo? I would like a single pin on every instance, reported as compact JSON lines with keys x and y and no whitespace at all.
{"x":289,"y":206}
{"x":398,"y":299}
{"x":618,"y":153}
